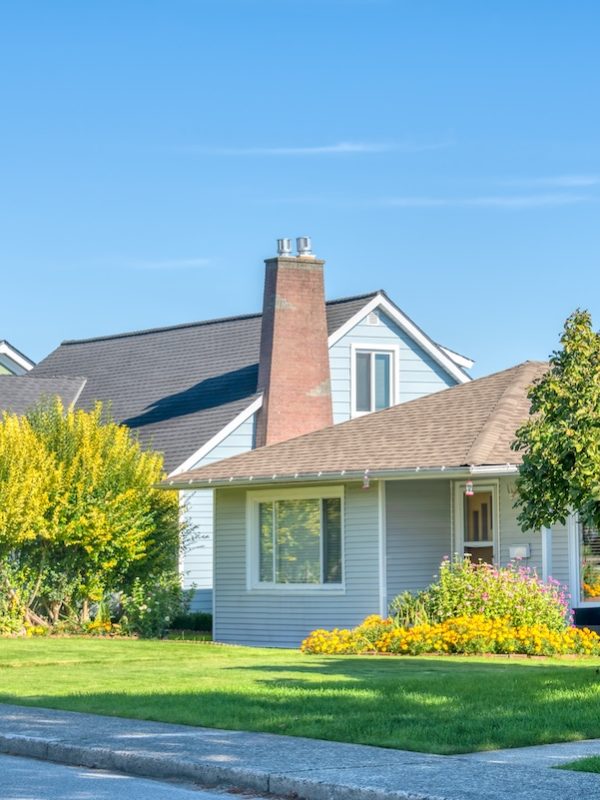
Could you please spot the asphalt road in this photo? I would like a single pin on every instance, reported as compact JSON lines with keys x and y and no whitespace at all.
{"x":29,"y":779}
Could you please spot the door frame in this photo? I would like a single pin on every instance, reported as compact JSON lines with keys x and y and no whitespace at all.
{"x":485,"y":485}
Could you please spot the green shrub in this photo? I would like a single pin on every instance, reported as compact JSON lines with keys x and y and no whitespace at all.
{"x":148,"y":611}
{"x":514,"y":593}
{"x":193,"y":621}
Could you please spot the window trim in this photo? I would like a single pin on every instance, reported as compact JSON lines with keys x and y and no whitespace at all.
{"x":394,"y":352}
{"x":253,"y":500}
{"x":459,"y":515}
{"x":574,"y":538}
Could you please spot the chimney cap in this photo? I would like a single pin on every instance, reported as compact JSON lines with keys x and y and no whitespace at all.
{"x":304,"y":247}
{"x":284,"y":247}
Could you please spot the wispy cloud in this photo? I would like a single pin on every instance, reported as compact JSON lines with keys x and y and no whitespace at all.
{"x":170,"y":264}
{"x":338,"y":148}
{"x":573,"y":181}
{"x":488,"y":201}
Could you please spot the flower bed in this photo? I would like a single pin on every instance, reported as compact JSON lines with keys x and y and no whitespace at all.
{"x":460,"y":635}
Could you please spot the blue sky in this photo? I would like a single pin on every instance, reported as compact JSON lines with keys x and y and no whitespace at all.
{"x":152,"y":152}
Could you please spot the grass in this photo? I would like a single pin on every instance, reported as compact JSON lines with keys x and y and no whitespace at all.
{"x":431,"y":704}
{"x":589,"y":764}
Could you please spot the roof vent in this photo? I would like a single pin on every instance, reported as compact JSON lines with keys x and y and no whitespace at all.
{"x":304,"y":246}
{"x":284,"y":247}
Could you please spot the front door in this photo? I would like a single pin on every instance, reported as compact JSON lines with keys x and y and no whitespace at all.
{"x":479,"y":527}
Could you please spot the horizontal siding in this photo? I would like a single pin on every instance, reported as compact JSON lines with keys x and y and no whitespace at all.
{"x":197,"y":570}
{"x":511,"y":534}
{"x":197,"y":562}
{"x":239,"y":441}
{"x":418,"y":373}
{"x":281,"y":619}
{"x":418,"y":529}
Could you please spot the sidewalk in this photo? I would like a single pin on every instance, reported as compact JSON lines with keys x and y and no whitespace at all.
{"x":281,"y":765}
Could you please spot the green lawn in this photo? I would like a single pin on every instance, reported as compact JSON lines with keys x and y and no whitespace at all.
{"x":589,"y":764}
{"x":440,"y":705}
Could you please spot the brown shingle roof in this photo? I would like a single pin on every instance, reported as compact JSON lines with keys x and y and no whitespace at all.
{"x":468,"y":425}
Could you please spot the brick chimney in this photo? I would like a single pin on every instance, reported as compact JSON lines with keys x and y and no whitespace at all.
{"x":294,"y":355}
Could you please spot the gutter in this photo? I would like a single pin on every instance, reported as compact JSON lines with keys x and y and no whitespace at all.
{"x":407,"y":473}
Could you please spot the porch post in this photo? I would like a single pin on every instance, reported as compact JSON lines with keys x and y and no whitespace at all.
{"x":546,"y":553}
{"x":383,"y":610}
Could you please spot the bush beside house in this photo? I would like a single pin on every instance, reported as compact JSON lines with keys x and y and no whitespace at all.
{"x":85,"y":537}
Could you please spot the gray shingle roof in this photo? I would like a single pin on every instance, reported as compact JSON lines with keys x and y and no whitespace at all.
{"x":472,"y":424}
{"x":19,"y":393}
{"x":177,"y":386}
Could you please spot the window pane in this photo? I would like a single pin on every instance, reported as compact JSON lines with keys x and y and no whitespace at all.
{"x":298,"y":541}
{"x":590,"y":563}
{"x":382,"y":381}
{"x":332,"y":540}
{"x":265,"y":544}
{"x":478,"y":518}
{"x":363,"y":381}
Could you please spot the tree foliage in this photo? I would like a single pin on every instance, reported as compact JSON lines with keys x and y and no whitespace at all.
{"x":80,"y":516}
{"x":561,"y":439}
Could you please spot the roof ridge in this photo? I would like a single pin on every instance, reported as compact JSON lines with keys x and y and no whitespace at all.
{"x":37,"y":377}
{"x":199,"y":323}
{"x":488,"y":434}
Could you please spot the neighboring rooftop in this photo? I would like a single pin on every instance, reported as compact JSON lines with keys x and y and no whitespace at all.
{"x":472,"y":424}
{"x":18,"y":394}
{"x":177,"y":386}
{"x":13,"y":361}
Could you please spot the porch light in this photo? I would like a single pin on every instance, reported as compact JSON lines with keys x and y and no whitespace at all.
{"x":366,"y":483}
{"x":469,"y":489}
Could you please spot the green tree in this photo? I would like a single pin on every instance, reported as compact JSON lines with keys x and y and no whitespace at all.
{"x":80,"y":516}
{"x":561,"y":439}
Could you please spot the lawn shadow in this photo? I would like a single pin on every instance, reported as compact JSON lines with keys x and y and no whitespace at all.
{"x":440,"y":706}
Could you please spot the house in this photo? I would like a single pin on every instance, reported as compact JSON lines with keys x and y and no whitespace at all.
{"x":12,"y":361}
{"x":325,"y":529}
{"x":199,"y":392}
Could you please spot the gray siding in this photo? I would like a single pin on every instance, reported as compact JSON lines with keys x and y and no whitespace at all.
{"x":418,"y":522}
{"x":560,"y":557}
{"x":197,"y":563}
{"x":418,"y":373}
{"x":282,"y":619}
{"x":511,"y":534}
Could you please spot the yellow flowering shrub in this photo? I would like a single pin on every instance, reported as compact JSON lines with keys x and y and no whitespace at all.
{"x":459,"y":635}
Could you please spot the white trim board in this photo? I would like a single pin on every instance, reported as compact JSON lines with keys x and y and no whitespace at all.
{"x":17,"y":358}
{"x":206,"y":448}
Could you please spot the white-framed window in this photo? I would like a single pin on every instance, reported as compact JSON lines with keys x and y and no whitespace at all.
{"x":296,"y":539}
{"x":588,"y":564}
{"x":476,"y":521}
{"x":374,"y":377}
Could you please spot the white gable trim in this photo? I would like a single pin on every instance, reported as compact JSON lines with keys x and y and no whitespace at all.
{"x":219,"y":437}
{"x":447,"y":359}
{"x":409,"y":327}
{"x":17,"y":358}
{"x":462,"y":361}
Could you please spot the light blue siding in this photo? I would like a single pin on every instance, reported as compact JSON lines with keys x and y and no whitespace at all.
{"x":197,"y":562}
{"x":284,"y":618}
{"x":417,"y":375}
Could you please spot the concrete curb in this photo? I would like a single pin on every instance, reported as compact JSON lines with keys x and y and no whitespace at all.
{"x":209,"y":776}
